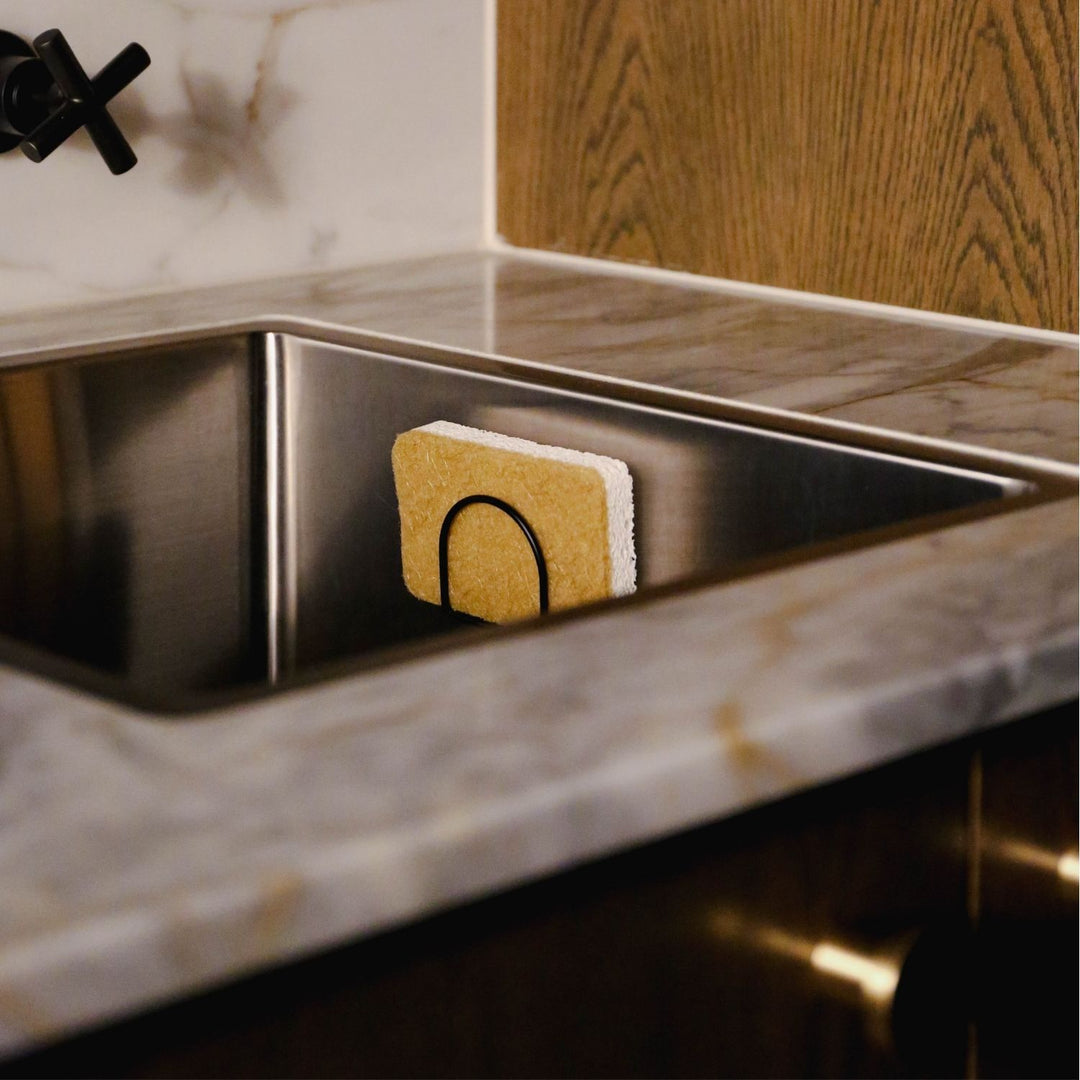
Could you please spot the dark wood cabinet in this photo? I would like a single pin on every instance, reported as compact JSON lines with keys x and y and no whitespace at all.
{"x":907,"y":921}
{"x":1026,"y":921}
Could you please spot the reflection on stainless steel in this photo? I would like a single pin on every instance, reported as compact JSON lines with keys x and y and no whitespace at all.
{"x":153,"y":522}
{"x":274,"y":421}
{"x":220,"y":513}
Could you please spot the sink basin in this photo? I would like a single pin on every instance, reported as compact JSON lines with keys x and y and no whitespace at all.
{"x":185,"y":521}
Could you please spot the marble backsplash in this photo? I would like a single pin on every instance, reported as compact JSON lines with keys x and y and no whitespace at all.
{"x":273,"y":136}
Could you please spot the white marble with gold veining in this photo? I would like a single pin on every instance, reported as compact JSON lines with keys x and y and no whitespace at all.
{"x":141,"y":860}
{"x":273,"y":137}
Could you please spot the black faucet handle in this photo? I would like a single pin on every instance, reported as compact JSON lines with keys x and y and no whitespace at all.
{"x":82,"y":101}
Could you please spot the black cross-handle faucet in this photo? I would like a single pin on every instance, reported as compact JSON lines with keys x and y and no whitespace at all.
{"x":46,"y":96}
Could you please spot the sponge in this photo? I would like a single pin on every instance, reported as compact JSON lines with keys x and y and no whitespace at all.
{"x":579,"y":506}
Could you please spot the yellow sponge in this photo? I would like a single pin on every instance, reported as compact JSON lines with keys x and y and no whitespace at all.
{"x":579,"y":506}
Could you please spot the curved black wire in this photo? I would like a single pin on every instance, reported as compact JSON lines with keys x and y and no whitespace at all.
{"x":522,"y":524}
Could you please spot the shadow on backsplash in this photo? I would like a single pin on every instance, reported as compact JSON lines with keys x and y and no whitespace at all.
{"x":220,"y":137}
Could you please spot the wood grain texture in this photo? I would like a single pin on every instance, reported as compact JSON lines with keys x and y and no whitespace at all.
{"x":910,"y":152}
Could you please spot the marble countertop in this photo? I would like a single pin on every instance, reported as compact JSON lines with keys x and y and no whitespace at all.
{"x":140,"y":861}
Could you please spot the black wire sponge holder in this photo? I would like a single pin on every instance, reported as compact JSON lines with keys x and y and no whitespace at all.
{"x":444,"y":552}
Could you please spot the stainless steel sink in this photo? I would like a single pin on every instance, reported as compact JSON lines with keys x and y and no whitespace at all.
{"x":182,"y":521}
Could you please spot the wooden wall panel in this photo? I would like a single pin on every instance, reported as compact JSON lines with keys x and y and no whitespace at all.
{"x":914,"y":152}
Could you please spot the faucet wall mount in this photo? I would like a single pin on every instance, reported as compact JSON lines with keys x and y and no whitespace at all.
{"x":46,"y":96}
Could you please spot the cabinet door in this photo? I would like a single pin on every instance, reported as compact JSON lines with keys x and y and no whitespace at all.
{"x":1026,"y":921}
